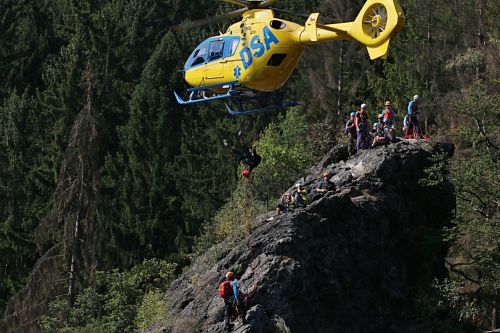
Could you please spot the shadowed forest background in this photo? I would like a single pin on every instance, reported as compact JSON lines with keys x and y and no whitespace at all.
{"x":108,"y":187}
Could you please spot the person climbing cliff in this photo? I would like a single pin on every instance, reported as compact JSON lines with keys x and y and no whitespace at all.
{"x":234,"y":301}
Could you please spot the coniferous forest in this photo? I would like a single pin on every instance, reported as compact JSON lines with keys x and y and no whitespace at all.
{"x":109,"y":188}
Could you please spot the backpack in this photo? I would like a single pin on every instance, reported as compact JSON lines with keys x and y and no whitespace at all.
{"x":225,"y":289}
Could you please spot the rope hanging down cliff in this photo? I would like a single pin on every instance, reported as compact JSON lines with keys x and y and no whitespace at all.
{"x":249,"y":229}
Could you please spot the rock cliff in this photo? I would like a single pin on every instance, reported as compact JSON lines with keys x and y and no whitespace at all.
{"x":351,"y":261}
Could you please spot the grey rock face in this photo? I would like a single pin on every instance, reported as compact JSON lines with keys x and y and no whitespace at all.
{"x":350,"y":261}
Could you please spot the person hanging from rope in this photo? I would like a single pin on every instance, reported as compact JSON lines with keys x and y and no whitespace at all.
{"x":234,"y":301}
{"x":245,"y":154}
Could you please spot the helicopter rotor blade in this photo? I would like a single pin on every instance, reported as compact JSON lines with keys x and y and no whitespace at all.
{"x":266,"y":4}
{"x":248,"y":4}
{"x":238,"y":2}
{"x":209,"y":20}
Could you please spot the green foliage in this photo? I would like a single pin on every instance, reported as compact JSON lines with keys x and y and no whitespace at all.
{"x":436,"y":310}
{"x":235,"y":218}
{"x":471,"y":58}
{"x":474,"y":260}
{"x":151,"y":311}
{"x":286,"y":153}
{"x":480,"y":113}
{"x":286,"y":156}
{"x":437,"y":173}
{"x":321,"y":138}
{"x":163,"y":173}
{"x":118,"y":302}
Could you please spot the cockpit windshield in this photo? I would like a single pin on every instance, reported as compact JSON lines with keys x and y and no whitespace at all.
{"x":212,"y":49}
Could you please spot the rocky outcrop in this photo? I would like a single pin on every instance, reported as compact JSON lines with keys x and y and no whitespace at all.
{"x":350,"y":261}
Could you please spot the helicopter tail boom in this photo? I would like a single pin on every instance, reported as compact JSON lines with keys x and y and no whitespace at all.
{"x":376,"y":23}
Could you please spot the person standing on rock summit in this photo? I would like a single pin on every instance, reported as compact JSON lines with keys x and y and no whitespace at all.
{"x":233,"y":301}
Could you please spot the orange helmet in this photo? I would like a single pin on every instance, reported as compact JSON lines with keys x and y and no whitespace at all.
{"x":229,"y":275}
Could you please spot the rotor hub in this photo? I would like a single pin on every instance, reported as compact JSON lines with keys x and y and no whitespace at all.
{"x":376,"y":21}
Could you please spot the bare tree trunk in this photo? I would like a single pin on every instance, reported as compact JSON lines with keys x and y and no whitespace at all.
{"x":429,"y":47}
{"x":494,"y":312}
{"x":71,"y":284}
{"x":494,"y":318}
{"x":341,"y":79}
{"x":480,"y":30}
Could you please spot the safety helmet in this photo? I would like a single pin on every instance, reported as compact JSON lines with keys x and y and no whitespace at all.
{"x":387,"y":103}
{"x":245,"y":173}
{"x":229,"y":275}
{"x":380,"y":116}
{"x":416,"y":98}
{"x":364,"y":106}
{"x":353,"y":114}
{"x":326,"y":174}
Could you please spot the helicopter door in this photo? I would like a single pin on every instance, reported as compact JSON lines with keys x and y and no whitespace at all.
{"x":215,"y":67}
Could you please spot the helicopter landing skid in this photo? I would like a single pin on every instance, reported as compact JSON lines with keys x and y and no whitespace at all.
{"x":202,"y":94}
{"x":262,"y":99}
{"x":239,"y":96}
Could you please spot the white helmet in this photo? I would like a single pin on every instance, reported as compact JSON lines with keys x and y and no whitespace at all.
{"x":416,"y":98}
{"x":364,"y":106}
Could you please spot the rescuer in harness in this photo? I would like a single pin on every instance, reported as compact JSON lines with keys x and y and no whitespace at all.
{"x":246,"y":155}
{"x":234,"y":301}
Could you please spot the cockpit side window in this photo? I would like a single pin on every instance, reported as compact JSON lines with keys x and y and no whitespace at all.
{"x":233,"y":46}
{"x":215,"y":50}
{"x":199,"y":56}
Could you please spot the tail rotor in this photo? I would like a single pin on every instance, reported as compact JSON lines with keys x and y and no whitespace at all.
{"x":377,"y":22}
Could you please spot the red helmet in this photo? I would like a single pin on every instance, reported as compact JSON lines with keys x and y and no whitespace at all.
{"x":245,"y":173}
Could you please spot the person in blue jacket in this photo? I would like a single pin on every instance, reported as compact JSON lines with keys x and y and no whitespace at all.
{"x":413,"y":111}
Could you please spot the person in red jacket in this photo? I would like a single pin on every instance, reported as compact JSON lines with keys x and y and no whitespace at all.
{"x":390,"y":120}
{"x":233,"y":301}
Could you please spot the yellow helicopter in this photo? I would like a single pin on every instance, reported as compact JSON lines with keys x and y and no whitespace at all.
{"x":257,"y":55}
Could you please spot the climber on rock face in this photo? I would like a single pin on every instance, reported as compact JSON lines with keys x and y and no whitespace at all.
{"x":234,"y":301}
